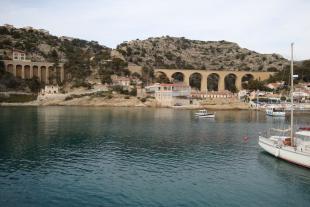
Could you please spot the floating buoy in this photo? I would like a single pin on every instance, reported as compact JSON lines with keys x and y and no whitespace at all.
{"x":246,"y":138}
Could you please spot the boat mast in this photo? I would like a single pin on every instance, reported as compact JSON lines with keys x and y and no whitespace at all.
{"x":291,"y":93}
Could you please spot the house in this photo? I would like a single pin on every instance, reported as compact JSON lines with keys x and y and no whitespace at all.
{"x":19,"y":55}
{"x":50,"y":89}
{"x":301,"y":94}
{"x":275,"y":86}
{"x":151,"y":89}
{"x":172,"y":94}
{"x":120,"y":81}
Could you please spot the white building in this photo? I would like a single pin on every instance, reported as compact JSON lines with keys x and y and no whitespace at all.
{"x":50,"y":89}
{"x":172,"y":94}
{"x":19,"y":55}
{"x":152,"y":89}
{"x":120,"y":81}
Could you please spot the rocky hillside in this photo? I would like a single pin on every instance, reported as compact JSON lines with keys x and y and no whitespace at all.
{"x":173,"y":52}
{"x":41,"y":46}
{"x":82,"y":58}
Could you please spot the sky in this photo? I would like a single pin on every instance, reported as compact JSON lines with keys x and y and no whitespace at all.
{"x":266,"y":26}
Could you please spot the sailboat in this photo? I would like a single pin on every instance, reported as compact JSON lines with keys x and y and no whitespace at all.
{"x":295,"y":147}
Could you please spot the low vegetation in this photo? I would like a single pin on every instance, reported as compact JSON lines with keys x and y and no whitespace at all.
{"x":17,"y":98}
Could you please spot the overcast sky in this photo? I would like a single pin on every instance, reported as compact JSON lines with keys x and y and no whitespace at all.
{"x":266,"y":26}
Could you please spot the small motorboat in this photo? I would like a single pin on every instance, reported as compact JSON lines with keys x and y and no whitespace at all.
{"x":204,"y":114}
{"x":275,"y":111}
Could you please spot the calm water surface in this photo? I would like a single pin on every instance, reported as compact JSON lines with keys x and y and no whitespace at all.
{"x":79,"y":156}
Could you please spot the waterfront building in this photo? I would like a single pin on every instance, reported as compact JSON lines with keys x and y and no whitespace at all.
{"x":301,"y":95}
{"x":213,"y":94}
{"x":151,"y":89}
{"x":175,"y":94}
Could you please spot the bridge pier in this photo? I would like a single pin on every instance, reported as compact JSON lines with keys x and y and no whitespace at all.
{"x":221,"y":84}
{"x":238,"y":83}
{"x":204,"y":84}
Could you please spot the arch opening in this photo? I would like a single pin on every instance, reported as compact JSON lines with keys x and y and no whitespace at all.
{"x":19,"y":71}
{"x":51,"y":74}
{"x":246,"y":79}
{"x":213,"y":82}
{"x":58,"y":75}
{"x":43,"y":74}
{"x":27,"y":71}
{"x":195,"y":81}
{"x":35,"y":70}
{"x":177,"y":77}
{"x":161,"y":77}
{"x":9,"y":68}
{"x":230,"y":82}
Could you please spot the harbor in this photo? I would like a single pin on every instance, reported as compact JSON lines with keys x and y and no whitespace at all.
{"x":143,"y":157}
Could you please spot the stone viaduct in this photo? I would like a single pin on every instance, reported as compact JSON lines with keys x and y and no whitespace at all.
{"x":221,"y":75}
{"x":45,"y":71}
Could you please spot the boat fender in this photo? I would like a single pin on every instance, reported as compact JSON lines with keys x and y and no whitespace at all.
{"x":277,"y":153}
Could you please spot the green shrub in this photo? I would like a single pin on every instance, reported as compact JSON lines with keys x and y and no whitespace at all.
{"x":18,"y":98}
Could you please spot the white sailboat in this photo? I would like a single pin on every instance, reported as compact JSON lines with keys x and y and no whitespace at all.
{"x":293,"y":148}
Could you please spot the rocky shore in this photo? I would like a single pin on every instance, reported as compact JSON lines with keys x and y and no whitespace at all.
{"x":123,"y":101}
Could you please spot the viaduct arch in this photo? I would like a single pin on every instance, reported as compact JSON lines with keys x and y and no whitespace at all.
{"x":240,"y":76}
{"x":45,"y":71}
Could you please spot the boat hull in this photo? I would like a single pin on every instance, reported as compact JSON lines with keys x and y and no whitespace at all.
{"x":206,"y":116}
{"x":287,"y":153}
{"x":275,"y":113}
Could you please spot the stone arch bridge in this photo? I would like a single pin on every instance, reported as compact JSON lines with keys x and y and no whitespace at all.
{"x":221,"y":75}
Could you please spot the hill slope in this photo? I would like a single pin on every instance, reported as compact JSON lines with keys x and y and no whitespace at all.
{"x":173,"y":52}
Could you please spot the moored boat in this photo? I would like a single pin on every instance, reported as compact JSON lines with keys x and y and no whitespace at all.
{"x":275,"y":111}
{"x":204,"y":114}
{"x":296,"y":150}
{"x":295,"y":147}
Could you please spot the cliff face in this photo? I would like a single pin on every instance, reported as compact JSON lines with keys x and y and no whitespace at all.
{"x":182,"y":53}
